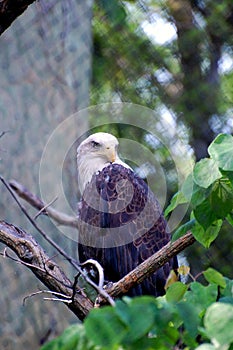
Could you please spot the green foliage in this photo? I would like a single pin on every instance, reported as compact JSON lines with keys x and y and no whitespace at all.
{"x":193,"y":316}
{"x":176,"y":291}
{"x":73,"y":337}
{"x":215,"y":277}
{"x":204,"y":167}
{"x":187,"y":315}
{"x":217,"y":321}
{"x":221,"y":150}
{"x":209,"y":190}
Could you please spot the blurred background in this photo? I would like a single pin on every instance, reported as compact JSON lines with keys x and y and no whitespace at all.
{"x":174,"y":57}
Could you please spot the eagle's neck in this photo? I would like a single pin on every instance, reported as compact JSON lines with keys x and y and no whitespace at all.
{"x":87,"y":167}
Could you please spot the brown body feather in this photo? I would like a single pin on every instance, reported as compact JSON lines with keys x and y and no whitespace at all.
{"x":121,"y":225}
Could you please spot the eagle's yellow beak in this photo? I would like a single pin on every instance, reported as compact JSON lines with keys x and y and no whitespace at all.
{"x":111,"y":154}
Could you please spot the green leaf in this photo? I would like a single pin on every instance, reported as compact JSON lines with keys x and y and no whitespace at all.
{"x":228,"y":175}
{"x":194,"y":304}
{"x":229,"y":218}
{"x":199,"y":194}
{"x":189,"y":316}
{"x":218,"y":323}
{"x":199,"y":233}
{"x":131,"y":314}
{"x":221,"y":150}
{"x":104,"y":328}
{"x":183,"y":229}
{"x":187,"y":187}
{"x":147,"y":343}
{"x":206,"y":236}
{"x":193,"y":192}
{"x":167,"y":322}
{"x":206,"y":172}
{"x":213,"y":276}
{"x":70,"y":339}
{"x":211,"y":233}
{"x":177,"y":199}
{"x":204,"y":214}
{"x":228,"y":290}
{"x":175,"y":292}
{"x":221,"y":198}
{"x":217,"y":205}
{"x":201,"y":297}
{"x":190,"y":192}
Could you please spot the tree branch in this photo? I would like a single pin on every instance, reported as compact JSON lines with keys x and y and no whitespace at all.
{"x":46,"y":270}
{"x":53,"y":277}
{"x":36,"y":202}
{"x":72,"y":261}
{"x":151,"y":265}
{"x":39,"y":259}
{"x":10,"y":10}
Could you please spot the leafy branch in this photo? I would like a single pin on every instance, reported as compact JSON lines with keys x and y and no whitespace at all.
{"x":209,"y":191}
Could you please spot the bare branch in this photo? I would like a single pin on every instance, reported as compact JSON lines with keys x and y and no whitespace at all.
{"x":36,"y":202}
{"x":18,"y":261}
{"x":3,"y":133}
{"x":150,"y":265}
{"x":45,"y":207}
{"x":72,"y":261}
{"x":136,"y":276}
{"x":49,"y":273}
{"x":66,"y":301}
{"x":46,"y":270}
{"x":65,"y":297}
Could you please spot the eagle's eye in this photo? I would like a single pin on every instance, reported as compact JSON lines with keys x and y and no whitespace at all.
{"x":95,"y":144}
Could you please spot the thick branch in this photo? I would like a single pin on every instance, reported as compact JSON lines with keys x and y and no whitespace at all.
{"x":46,"y":270}
{"x":150,"y":265}
{"x":10,"y":10}
{"x":38,"y":257}
{"x":57,"y":247}
{"x":50,"y":274}
{"x":142,"y":271}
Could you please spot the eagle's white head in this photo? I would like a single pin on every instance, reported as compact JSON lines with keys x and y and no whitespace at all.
{"x":95,"y":153}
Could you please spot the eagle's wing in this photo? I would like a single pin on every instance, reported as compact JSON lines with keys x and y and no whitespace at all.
{"x":121,"y":225}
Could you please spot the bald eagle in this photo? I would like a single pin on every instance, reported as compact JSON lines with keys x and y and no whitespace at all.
{"x":121,"y":222}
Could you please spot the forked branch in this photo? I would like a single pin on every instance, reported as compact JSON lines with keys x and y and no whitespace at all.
{"x":51,"y":275}
{"x":36,"y":202}
{"x":45,"y":269}
{"x":55,"y":279}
